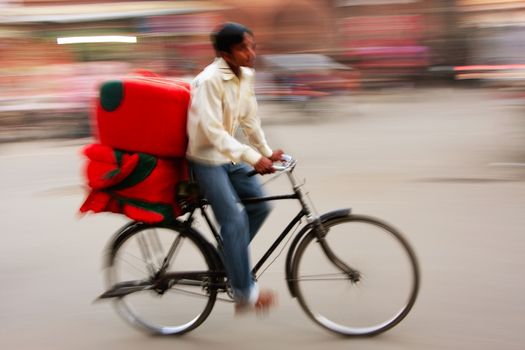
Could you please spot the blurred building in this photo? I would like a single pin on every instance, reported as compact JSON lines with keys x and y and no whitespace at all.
{"x":385,"y":41}
{"x":495,"y":30}
{"x":163,"y":28}
{"x":38,"y":77}
{"x":381,"y":37}
{"x":281,"y":26}
{"x":44,"y":85}
{"x":398,"y":39}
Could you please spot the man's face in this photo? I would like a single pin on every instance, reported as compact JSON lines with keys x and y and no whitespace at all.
{"x":243,"y":54}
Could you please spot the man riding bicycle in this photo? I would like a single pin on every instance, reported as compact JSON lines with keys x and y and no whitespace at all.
{"x":222,"y":99}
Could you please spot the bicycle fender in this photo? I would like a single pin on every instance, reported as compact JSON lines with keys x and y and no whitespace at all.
{"x":334,"y":214}
{"x":117,"y":239}
{"x":122,"y":234}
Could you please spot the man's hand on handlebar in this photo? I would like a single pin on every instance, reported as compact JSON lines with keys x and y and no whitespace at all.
{"x":264,"y":166}
{"x":277,"y":155}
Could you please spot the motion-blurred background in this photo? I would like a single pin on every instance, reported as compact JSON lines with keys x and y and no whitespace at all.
{"x":308,"y":49}
{"x":410,"y":111}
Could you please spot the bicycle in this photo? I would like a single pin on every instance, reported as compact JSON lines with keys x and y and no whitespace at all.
{"x":352,"y":274}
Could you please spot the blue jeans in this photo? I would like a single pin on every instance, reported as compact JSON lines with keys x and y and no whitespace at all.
{"x":223,"y":186}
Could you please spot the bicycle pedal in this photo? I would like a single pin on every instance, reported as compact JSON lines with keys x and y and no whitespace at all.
{"x":122,"y":289}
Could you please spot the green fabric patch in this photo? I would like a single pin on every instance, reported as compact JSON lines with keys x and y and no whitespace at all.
{"x":115,"y":172}
{"x":111,"y":95}
{"x":118,"y":156}
{"x":145,"y":166}
{"x":165,"y":210}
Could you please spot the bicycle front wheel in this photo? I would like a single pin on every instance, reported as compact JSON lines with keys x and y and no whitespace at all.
{"x":165,"y":306}
{"x":375,"y":289}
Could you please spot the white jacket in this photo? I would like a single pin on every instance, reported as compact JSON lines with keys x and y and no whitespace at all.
{"x":220,"y":103}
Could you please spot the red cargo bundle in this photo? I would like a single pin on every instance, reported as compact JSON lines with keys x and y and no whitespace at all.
{"x":143,"y":114}
{"x":138,"y":185}
{"x":139,"y":160}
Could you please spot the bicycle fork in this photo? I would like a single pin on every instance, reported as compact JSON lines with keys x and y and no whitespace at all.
{"x":321,"y":232}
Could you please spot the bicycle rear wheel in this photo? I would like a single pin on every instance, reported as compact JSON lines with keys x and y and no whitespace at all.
{"x":174,"y":306}
{"x":385,"y":286}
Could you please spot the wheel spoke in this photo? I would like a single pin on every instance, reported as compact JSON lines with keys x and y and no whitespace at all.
{"x":156,"y":246}
{"x":133,"y":264}
{"x":323,"y":277}
{"x":172,"y":253}
{"x":146,"y":251}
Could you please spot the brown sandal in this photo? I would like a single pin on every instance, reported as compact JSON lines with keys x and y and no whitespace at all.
{"x":266,"y":300}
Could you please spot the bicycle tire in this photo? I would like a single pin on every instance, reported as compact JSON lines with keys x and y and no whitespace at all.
{"x":169,"y":312}
{"x":363,"y":310}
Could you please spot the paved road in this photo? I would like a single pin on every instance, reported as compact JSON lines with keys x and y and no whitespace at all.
{"x":430,"y":162}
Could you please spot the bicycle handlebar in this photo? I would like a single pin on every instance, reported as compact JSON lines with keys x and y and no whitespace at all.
{"x":286,"y":162}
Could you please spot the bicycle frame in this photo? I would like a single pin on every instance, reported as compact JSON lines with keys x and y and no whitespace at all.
{"x":313,"y":221}
{"x":162,"y":280}
{"x":302,"y":213}
{"x":296,"y":195}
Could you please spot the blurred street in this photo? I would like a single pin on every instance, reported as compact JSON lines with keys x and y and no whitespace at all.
{"x":443,"y":165}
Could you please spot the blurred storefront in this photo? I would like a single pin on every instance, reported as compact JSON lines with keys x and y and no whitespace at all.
{"x":496,"y":30}
{"x":397,"y":40}
{"x":42,"y":82}
{"x":495,"y":39}
{"x":383,"y":38}
{"x":379,"y":41}
{"x":160,"y":25}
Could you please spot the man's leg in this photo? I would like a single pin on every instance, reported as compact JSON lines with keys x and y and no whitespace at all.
{"x":218,"y":190}
{"x":246,"y":187}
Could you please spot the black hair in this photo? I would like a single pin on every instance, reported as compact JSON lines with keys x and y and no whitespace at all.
{"x":227,"y":35}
